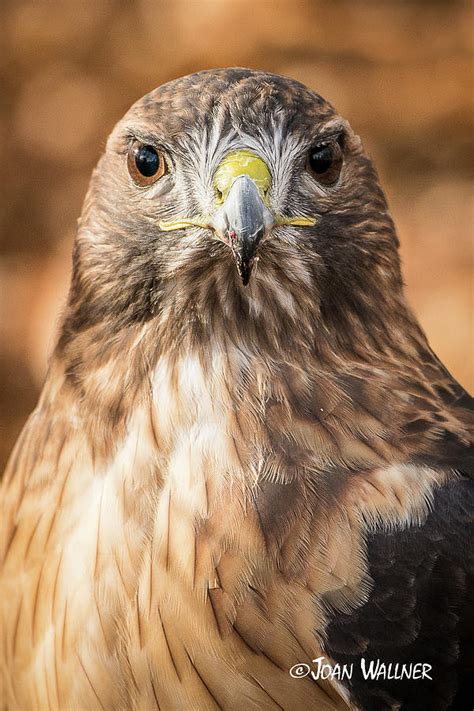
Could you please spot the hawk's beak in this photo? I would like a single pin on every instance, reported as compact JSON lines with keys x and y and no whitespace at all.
{"x":241,"y":222}
{"x":242,"y":182}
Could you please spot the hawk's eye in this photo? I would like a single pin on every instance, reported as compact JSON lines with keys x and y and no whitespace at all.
{"x":146,"y":164}
{"x":325,"y":162}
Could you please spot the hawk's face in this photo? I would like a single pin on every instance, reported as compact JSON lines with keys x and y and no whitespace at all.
{"x":236,"y":193}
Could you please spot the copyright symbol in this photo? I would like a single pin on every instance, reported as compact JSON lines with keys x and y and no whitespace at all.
{"x":298,"y":671}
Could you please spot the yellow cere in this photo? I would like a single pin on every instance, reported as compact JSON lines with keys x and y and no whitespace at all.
{"x":242,"y":163}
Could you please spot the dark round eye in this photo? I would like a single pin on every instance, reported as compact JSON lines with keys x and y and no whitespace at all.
{"x":325,"y":162}
{"x":146,"y":164}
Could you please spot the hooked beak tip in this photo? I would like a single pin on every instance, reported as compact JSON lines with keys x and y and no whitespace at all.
{"x":244,"y":261}
{"x":244,"y":249}
{"x":245,"y":271}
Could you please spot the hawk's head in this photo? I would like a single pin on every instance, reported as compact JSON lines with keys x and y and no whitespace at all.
{"x":234,"y":200}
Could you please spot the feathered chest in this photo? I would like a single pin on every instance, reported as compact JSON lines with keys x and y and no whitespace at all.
{"x":191,"y":564}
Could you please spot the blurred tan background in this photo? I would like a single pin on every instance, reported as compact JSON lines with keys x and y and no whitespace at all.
{"x":401,"y":72}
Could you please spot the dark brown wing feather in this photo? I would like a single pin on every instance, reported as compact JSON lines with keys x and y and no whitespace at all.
{"x":419,"y":611}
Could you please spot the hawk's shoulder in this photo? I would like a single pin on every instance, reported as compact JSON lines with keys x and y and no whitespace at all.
{"x":420,"y":609}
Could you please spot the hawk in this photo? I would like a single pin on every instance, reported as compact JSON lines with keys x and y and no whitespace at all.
{"x":246,"y":462}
